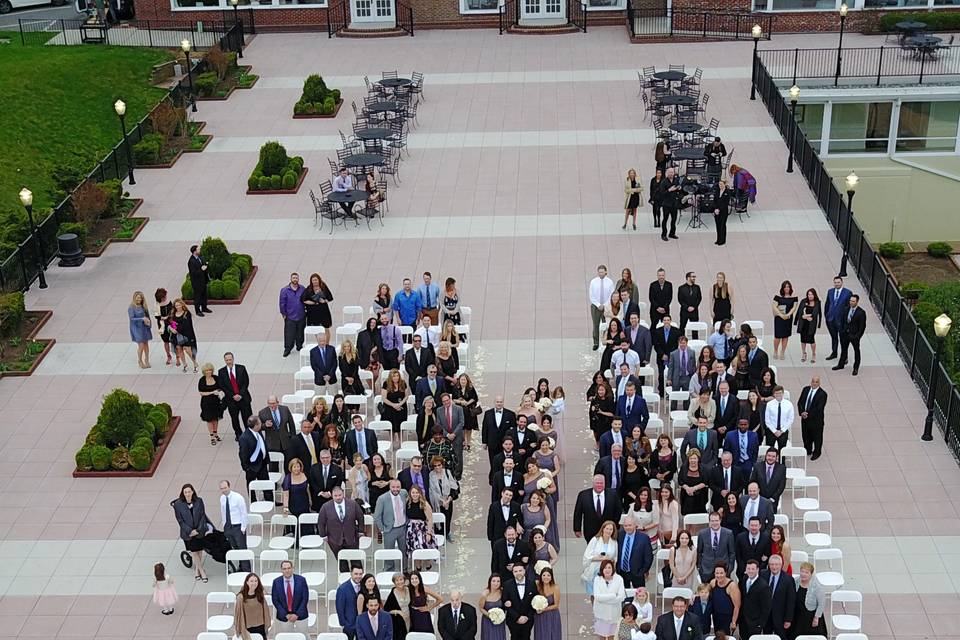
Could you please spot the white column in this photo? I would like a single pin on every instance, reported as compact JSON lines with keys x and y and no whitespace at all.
{"x":825,"y":130}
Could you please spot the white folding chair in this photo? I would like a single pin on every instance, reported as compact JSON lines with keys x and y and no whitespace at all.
{"x":303,"y":380}
{"x":806,"y":495}
{"x":294,"y":402}
{"x":430,"y":578}
{"x":313,"y":566}
{"x":348,"y":332}
{"x":366,"y":379}
{"x":277,"y":538}
{"x":795,"y":459}
{"x":765,"y":636}
{"x":653,"y":404}
{"x":700,"y":327}
{"x":269,"y":558}
{"x":678,"y":397}
{"x":261,"y":506}
{"x":331,"y":635}
{"x":692,"y":520}
{"x":358,"y":401}
{"x":696,"y":345}
{"x":822,"y":520}
{"x":829,"y":568}
{"x":277,"y":457}
{"x":353,"y":314}
{"x":350,"y":556}
{"x":440,"y":520}
{"x":406,"y":333}
{"x":380,"y":559}
{"x":408,"y":431}
{"x":366,"y":541}
{"x":420,"y":635}
{"x":654,"y":427}
{"x":797,"y":558}
{"x":679,"y":423}
{"x":808,"y":637}
{"x":235,"y":579}
{"x":839,"y":636}
{"x":290,"y":635}
{"x":783,"y":520}
{"x":672,"y":592}
{"x":660,"y":561}
{"x":383,"y":429}
{"x":220,"y":600}
{"x":403,"y":456}
{"x":312,"y":540}
{"x":333,"y":620}
{"x":213,"y":635}
{"x":845,"y":621}
{"x":757,"y":327}
{"x":466,"y":314}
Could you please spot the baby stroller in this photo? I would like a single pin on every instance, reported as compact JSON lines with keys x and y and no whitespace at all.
{"x":215,"y":544}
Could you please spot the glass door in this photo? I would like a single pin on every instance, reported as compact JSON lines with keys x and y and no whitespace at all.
{"x":543,"y":9}
{"x":372,"y":10}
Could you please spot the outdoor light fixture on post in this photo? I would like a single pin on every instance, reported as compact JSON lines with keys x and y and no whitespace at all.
{"x":843,"y":19}
{"x":185,"y":46}
{"x":852,"y":181}
{"x":26,"y":198}
{"x":757,"y":33}
{"x":794,"y":96}
{"x":236,"y":19}
{"x":941,"y":327}
{"x":121,"y":108}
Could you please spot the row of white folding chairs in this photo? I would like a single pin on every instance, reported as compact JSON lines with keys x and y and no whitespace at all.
{"x":222,"y":601}
{"x":353,"y":314}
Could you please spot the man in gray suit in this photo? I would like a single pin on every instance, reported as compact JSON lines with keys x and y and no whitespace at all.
{"x":390,"y":519}
{"x":715,"y":544}
{"x":450,"y":418}
{"x":278,"y":426}
{"x":341,"y":523}
{"x":683,"y":364}
{"x":703,"y":439}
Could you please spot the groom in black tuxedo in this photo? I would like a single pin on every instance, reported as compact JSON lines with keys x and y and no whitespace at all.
{"x":517,"y":599}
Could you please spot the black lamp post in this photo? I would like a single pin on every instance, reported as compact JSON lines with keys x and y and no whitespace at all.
{"x":121,"y":108}
{"x":185,"y":46}
{"x":843,"y":19}
{"x":852,"y":181}
{"x":941,"y":327}
{"x":794,"y":96}
{"x":26,"y":198}
{"x":757,"y":33}
{"x":236,"y":18}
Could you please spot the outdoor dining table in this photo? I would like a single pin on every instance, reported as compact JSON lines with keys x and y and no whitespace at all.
{"x":395,"y":83}
{"x":363,"y":160}
{"x":925,"y":45}
{"x":688,"y":153}
{"x":372,"y":136}
{"x":351,"y":196}
{"x":909,"y":28}
{"x":670,"y":76}
{"x":383,"y":106}
{"x":686,"y":127}
{"x":677,"y":101}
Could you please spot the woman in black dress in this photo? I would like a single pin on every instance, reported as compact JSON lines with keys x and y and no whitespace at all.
{"x":598,"y":381}
{"x":722,"y":298}
{"x":784,"y":307}
{"x":634,"y":478}
{"x":368,"y":590}
{"x":602,"y":409}
{"x":332,"y":440}
{"x":631,"y":191}
{"x":211,"y":405}
{"x":426,"y":421}
{"x":181,"y":327}
{"x":654,"y":197}
{"x":809,"y":318}
{"x":451,"y":302}
{"x":316,"y":299}
{"x":694,"y":490}
{"x":752,"y":410}
{"x":447,"y":364}
{"x":380,"y":476}
{"x":339,"y":415}
{"x":768,"y":380}
{"x":349,"y":365}
{"x":368,"y":342}
{"x":810,"y":604}
{"x":394,"y":409}
{"x":383,"y":299}
{"x":663,"y":155}
{"x":465,"y":395}
{"x":611,"y":340}
{"x":740,"y":365}
{"x":731,"y":516}
{"x":194,"y":525}
{"x":164,"y":308}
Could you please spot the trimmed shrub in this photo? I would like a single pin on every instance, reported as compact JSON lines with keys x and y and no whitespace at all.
{"x":121,"y":417}
{"x":329,"y":106}
{"x":140,"y":458}
{"x":273,"y":158}
{"x":298,"y":109}
{"x":310,"y":109}
{"x":276,"y":182}
{"x":83,"y":458}
{"x":186,"y":289}
{"x":114,"y":192}
{"x":100,"y":457}
{"x":95,"y":435}
{"x":936,"y":21}
{"x":167,"y":410}
{"x":253,"y":182}
{"x":78,"y":228}
{"x":336,"y":94}
{"x":314,"y":88}
{"x":214,"y":252}
{"x":147,"y":151}
{"x":90,"y":201}
{"x":263,"y":184}
{"x":144,"y":433}
{"x":215,"y":290}
{"x":939,"y":249}
{"x":11,"y":312}
{"x":206,"y":83}
{"x":289,"y":180}
{"x":891,"y":250}
{"x":119,"y":459}
{"x":231,"y":289}
{"x":232,"y":273}
{"x":145,"y":443}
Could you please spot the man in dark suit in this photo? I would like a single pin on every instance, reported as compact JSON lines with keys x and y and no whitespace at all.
{"x":496,"y":423}
{"x":508,"y":551}
{"x":323,"y":361}
{"x":627,"y":305}
{"x":612,"y":437}
{"x":728,"y":410}
{"x":254,"y":456}
{"x":666,"y":339}
{"x":432,"y":385}
{"x":679,"y":624}
{"x":359,"y":440}
{"x":758,"y":361}
{"x":755,"y":602}
{"x":346,"y":602}
{"x":771,"y":475}
{"x":519,"y":593}
{"x":457,"y":620}
{"x":341,"y":523}
{"x":415,"y":476}
{"x":853,"y":324}
{"x":744,"y":445}
{"x":510,"y":479}
{"x":703,"y":439}
{"x":723,"y":479}
{"x":752,"y":544}
{"x":305,"y":446}
{"x":640,"y":340}
{"x":612,"y":468}
{"x":714,"y":544}
{"x":199,"y":277}
{"x":632,"y":409}
{"x":375,"y":623}
{"x":417,"y":359}
{"x":671,"y":198}
{"x":660,"y":295}
{"x":624,"y":377}
{"x":835,"y":305}
{"x":755,"y":505}
{"x":451,"y":420}
{"x":784,"y":596}
{"x":524,"y":439}
{"x":323,"y":477}
{"x":509,"y":452}
{"x":721,"y":210}
{"x":235,"y":384}
{"x":689,"y":297}
{"x":278,"y":426}
{"x":502,"y":514}
{"x":595,"y":506}
{"x":811,"y":406}
{"x":636,"y":554}
{"x":290,"y":596}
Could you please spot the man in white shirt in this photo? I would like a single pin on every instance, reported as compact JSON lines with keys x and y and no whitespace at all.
{"x":601,"y":288}
{"x":233,"y":515}
{"x":778,"y":418}
{"x":427,"y":332}
{"x":624,"y":355}
{"x":343,"y":183}
{"x":679,"y":623}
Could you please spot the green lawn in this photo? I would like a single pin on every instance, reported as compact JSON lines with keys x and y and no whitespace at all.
{"x":58,"y":108}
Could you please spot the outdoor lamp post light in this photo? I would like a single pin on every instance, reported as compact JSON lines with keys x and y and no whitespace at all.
{"x":941,"y":327}
{"x":185,"y":46}
{"x":852,"y":181}
{"x":794,"y":96}
{"x":843,"y":19}
{"x":26,"y":198}
{"x":757,"y":33}
{"x":121,"y":108}
{"x":236,"y":19}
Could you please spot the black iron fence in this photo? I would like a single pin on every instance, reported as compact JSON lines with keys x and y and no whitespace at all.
{"x":405,"y":17}
{"x":508,"y":14}
{"x":338,"y":17}
{"x":712,"y":25}
{"x":136,"y":33}
{"x":577,"y":14}
{"x":911,"y":343}
{"x":862,"y":65}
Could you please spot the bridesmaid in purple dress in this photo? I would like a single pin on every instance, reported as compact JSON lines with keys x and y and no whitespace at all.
{"x":547,"y":459}
{"x":547,"y":624}
{"x":542,"y":550}
{"x":491,"y":598}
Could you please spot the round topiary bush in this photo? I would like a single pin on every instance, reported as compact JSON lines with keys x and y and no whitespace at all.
{"x":121,"y":417}
{"x":95,"y":435}
{"x":145,"y":443}
{"x":119,"y":459}
{"x":186,"y":289}
{"x":215,"y":253}
{"x":253,"y":182}
{"x":263,"y":184}
{"x":140,"y":458}
{"x":233,"y":273}
{"x":145,"y":433}
{"x":163,"y":406}
{"x":289,"y":180}
{"x":891,"y":250}
{"x":336,"y":94}
{"x":273,"y":158}
{"x":939,"y":249}
{"x":276,"y":182}
{"x":83,"y":458}
{"x":100,"y":457}
{"x":215,"y":290}
{"x":231,"y":289}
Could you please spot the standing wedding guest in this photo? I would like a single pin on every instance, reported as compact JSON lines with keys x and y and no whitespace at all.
{"x":348,"y":364}
{"x":783,"y":592}
{"x":662,"y":155}
{"x":600,"y":291}
{"x":613,"y":338}
{"x":358,"y":478}
{"x":253,"y":455}
{"x":778,"y":418}
{"x":451,"y":302}
{"x":632,"y":190}
{"x":290,"y":596}
{"x":251,"y":614}
{"x":316,"y":299}
{"x":715,"y":544}
{"x":682,"y":364}
{"x":755,"y":599}
{"x":810,"y":603}
{"x":547,"y":622}
{"x":278,"y":425}
{"x":602,"y":412}
{"x":626,"y":282}
{"x":293,"y":314}
{"x":346,"y":602}
{"x":235,"y":384}
{"x":492,"y":598}
{"x":323,"y":361}
{"x":671,"y":196}
{"x":663,"y":461}
{"x":679,"y":623}
{"x":593,"y":507}
{"x":457,"y":620}
{"x":407,"y":305}
{"x":199,"y":278}
{"x":660,"y":295}
{"x":602,"y":548}
{"x":608,"y":597}
{"x":419,"y":517}
{"x":391,"y":343}
{"x":369,"y":344}
{"x":689,"y":297}
{"x":853,"y":324}
{"x":635,"y":554}
{"x":646,"y":513}
{"x":444,"y":489}
{"x":714,"y":153}
{"x":812,"y":405}
{"x":211,"y":407}
{"x":383,"y":299}
{"x":719,"y":341}
{"x":654,"y":197}
{"x":341,"y":523}
{"x":140,"y":332}
{"x":721,"y":296}
{"x":497,"y":423}
{"x":374,"y":624}
{"x":164,"y":308}
{"x":430,"y":298}
{"x":164,"y":592}
{"x":628,"y":628}
{"x":398,"y":606}
{"x":450,"y":418}
{"x":380,"y":474}
{"x":666,"y":340}
{"x":423,"y":600}
{"x":465,"y":396}
{"x":518,"y":594}
{"x":836,"y":305}
{"x":296,"y":491}
{"x":683,"y":560}
{"x":784,"y":308}
{"x":194,"y":524}
{"x":669,"y":513}
{"x":181,"y":327}
{"x":809,"y":319}
{"x":721,"y":210}
{"x":724,"y":600}
{"x":233,"y":515}
{"x":393,"y":395}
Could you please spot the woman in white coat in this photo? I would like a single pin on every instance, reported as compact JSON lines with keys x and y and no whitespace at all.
{"x":608,"y":597}
{"x":602,"y":547}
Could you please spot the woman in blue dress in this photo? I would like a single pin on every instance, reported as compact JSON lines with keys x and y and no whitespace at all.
{"x":548,"y":460}
{"x":140,"y":328}
{"x":547,"y":624}
{"x":492,"y":598}
{"x":531,"y":483}
{"x":296,"y":493}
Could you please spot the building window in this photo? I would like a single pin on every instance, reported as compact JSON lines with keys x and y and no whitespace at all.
{"x":479,"y":6}
{"x":893,"y":4}
{"x":928,"y":126}
{"x":810,"y":119}
{"x":606,"y":5}
{"x":795,"y":5}
{"x":860,"y":127}
{"x":253,"y":4}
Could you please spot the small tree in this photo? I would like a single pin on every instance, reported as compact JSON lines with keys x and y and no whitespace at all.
{"x":89,"y":202}
{"x":121,"y":417}
{"x":218,"y":61}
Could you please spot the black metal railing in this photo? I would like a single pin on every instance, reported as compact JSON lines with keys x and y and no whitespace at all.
{"x":577,"y":14}
{"x":338,"y":17}
{"x":713,"y":25}
{"x":405,"y":17}
{"x":864,"y":64}
{"x":135,"y":33}
{"x":508,"y":14}
{"x":910,"y":342}
{"x":245,"y":16}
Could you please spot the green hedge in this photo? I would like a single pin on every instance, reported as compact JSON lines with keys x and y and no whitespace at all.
{"x":939,"y":249}
{"x":936,"y":20}
{"x":228,"y":271}
{"x":934,"y":300}
{"x":126,"y":435}
{"x":273,"y":168}
{"x":891,"y":250}
{"x":12,"y":309}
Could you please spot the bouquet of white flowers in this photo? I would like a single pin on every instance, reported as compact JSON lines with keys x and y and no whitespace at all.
{"x":544,"y":483}
{"x":539,"y":603}
{"x":497,"y":616}
{"x":540,"y":566}
{"x":545,"y":403}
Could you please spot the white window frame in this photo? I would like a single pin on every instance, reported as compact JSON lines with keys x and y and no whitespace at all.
{"x":618,"y":5}
{"x":466,"y":11}
{"x":916,"y":7}
{"x":225,"y":4}
{"x":773,"y":3}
